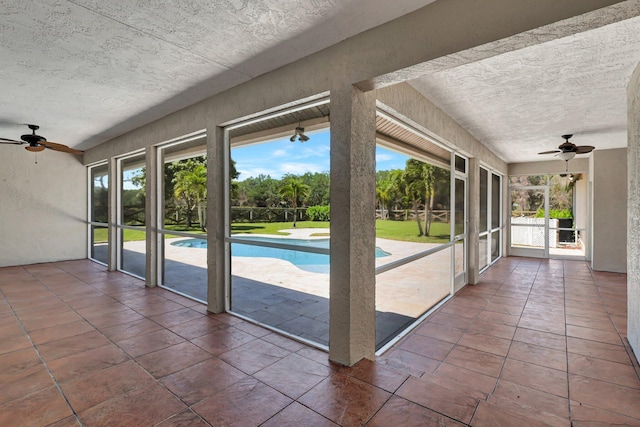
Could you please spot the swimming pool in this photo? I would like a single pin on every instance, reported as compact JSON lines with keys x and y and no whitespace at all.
{"x":315,"y":263}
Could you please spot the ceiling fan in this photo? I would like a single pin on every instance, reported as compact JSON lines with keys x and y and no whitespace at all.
{"x":568,"y":150}
{"x":38,"y":143}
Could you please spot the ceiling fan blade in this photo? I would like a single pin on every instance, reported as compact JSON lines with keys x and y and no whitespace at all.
{"x":584,"y":149}
{"x":10,"y":141}
{"x":59,"y":147}
{"x":551,"y":152}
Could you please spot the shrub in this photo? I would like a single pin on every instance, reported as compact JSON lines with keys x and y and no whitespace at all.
{"x":319,"y":213}
{"x":555,"y":213}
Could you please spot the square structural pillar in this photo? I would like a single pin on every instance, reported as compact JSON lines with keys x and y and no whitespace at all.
{"x":216,"y":189}
{"x":352,"y":322}
{"x":633,"y":212}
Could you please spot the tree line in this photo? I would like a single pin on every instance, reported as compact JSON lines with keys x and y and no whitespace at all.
{"x":418,"y":187}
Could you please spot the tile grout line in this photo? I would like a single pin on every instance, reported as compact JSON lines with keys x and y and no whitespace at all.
{"x":33,"y":345}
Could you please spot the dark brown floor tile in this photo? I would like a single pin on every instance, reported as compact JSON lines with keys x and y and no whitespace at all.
{"x":605,"y":395}
{"x":532,"y":398}
{"x":202,"y":380}
{"x":441,"y":399}
{"x":186,"y":418}
{"x":223,"y":340}
{"x":258,"y":402}
{"x":197,"y":327}
{"x":605,"y":325}
{"x":611,"y":352}
{"x":254,"y":356}
{"x":604,"y":370}
{"x":451,"y":320}
{"x":376,"y":374}
{"x":107,"y":320}
{"x":153,"y":309}
{"x":283,"y":342}
{"x":401,"y":412}
{"x":535,"y":376}
{"x":79,"y":364}
{"x":319,"y":356}
{"x":19,"y":383}
{"x":177,"y":317}
{"x":71,"y":421}
{"x":13,"y":343}
{"x":537,"y":355}
{"x":499,"y":318}
{"x":476,"y":360}
{"x":296,"y":415}
{"x":294,"y":375}
{"x":440,"y":332}
{"x":11,"y":329}
{"x":130,"y":329}
{"x":460,"y":310}
{"x":489,"y":414}
{"x":37,"y":409}
{"x":99,"y":386}
{"x":17,"y":361}
{"x":588,"y":416}
{"x":172,"y":359}
{"x":68,"y":346}
{"x":472,"y":383}
{"x":408,"y":362}
{"x":493,"y":329}
{"x":102,"y":309}
{"x":250,"y":328}
{"x":50,"y":321}
{"x":553,"y":325}
{"x":426,"y":346}
{"x":487,"y":343}
{"x":58,"y":332}
{"x":345,"y":400}
{"x":514,"y":310}
{"x":147,"y":343}
{"x":543,"y":339}
{"x":594,"y":334}
{"x":144,"y":406}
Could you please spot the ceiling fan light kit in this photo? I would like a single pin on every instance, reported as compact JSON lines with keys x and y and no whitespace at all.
{"x":299,"y":135}
{"x":568,"y":150}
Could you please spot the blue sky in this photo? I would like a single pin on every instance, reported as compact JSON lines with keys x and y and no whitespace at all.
{"x":282,"y":156}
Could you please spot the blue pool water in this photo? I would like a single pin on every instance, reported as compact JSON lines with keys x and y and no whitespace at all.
{"x":315,"y":263}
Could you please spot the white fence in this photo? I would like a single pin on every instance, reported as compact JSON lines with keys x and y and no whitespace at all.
{"x":521,"y":235}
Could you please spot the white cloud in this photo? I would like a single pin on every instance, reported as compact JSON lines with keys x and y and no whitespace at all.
{"x":280,"y":153}
{"x":384,"y":157}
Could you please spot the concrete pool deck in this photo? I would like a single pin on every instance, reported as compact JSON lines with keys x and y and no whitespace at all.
{"x":279,"y":294}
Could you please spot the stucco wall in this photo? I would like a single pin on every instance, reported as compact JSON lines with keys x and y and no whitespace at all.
{"x":633,"y":213}
{"x":609,"y":234}
{"x":42,"y":207}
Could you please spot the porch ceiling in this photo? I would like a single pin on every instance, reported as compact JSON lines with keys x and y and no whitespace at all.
{"x":87,"y":71}
{"x":521,"y":102}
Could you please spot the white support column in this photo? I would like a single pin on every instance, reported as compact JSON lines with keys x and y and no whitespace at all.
{"x":216,"y":190}
{"x":151,"y":216}
{"x":112,"y":258}
{"x":352,"y":330}
{"x":633,"y":212}
{"x":473,"y":210}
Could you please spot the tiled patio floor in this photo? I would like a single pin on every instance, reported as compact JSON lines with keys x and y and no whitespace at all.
{"x":536,"y":343}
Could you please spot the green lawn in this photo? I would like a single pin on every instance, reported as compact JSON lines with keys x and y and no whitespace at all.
{"x":406,"y":231}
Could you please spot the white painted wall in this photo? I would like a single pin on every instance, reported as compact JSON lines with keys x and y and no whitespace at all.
{"x":42,"y":207}
{"x":609,"y":234}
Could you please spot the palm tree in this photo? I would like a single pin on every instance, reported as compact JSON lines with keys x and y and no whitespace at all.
{"x":191,"y":187}
{"x":295,"y":191}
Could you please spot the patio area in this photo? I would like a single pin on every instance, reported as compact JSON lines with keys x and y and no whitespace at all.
{"x":535,"y":343}
{"x":281,"y":295}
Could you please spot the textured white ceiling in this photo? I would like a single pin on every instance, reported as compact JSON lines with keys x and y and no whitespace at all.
{"x":89,"y":70}
{"x":521,"y":102}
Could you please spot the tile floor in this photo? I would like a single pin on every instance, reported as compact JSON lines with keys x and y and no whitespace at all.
{"x":535,"y":343}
